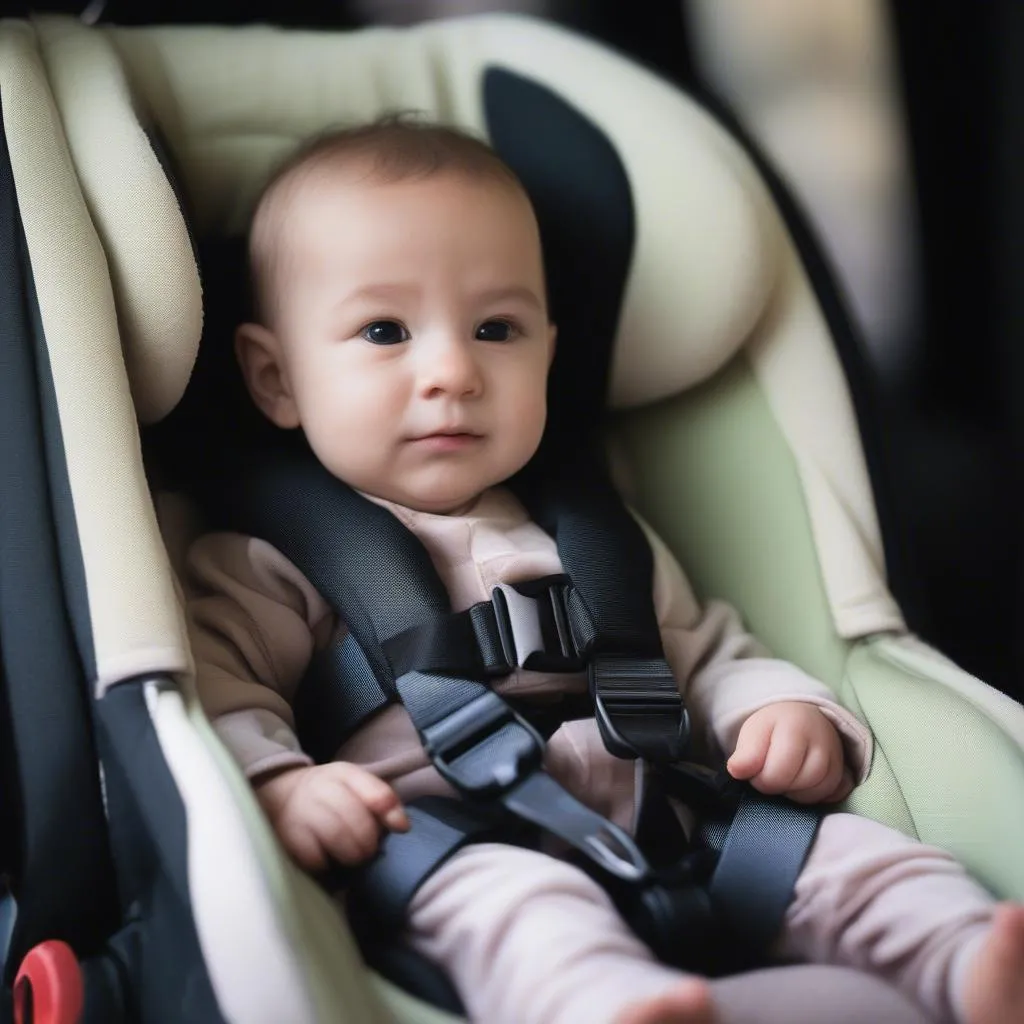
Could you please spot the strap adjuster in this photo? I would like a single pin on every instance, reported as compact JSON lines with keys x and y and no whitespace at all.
{"x":638,"y":708}
{"x":534,"y":625}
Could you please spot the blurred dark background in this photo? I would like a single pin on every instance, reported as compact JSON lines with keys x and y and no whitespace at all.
{"x":899,"y":125}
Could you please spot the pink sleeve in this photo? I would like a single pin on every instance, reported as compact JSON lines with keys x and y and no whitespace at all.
{"x":725,"y":674}
{"x":254,"y":622}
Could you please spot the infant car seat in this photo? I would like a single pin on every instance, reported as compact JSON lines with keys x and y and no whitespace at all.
{"x":128,"y":832}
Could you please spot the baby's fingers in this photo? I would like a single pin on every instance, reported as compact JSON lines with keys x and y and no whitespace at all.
{"x":346,"y":827}
{"x":783,"y":764}
{"x":752,"y":746}
{"x":379,"y":799}
{"x":842,"y":790}
{"x":821,"y":779}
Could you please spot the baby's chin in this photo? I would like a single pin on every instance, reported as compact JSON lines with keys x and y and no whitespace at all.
{"x":440,"y":498}
{"x":450,"y":503}
{"x":444,"y":490}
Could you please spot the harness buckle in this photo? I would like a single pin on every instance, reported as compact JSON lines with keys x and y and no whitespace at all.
{"x":638,"y":708}
{"x":534,"y":625}
{"x":484,"y":747}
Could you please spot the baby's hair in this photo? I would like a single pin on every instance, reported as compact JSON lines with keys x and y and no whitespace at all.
{"x":394,"y":148}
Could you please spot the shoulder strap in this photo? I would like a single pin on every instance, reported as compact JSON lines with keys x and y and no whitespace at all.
{"x":606,"y":555}
{"x":363,"y":561}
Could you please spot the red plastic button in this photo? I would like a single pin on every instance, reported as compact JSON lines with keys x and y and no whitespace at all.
{"x":48,"y":988}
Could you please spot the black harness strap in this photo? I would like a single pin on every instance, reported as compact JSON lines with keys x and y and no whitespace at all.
{"x":339,"y":692}
{"x":381,"y":889}
{"x":380,"y":579}
{"x":357,"y":555}
{"x":765,"y":847}
{"x":363,"y":561}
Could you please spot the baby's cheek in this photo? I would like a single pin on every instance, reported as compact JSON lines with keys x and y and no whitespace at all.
{"x":527,"y":425}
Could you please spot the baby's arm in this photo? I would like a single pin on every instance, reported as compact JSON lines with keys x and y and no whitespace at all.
{"x":254,"y":621}
{"x":780,"y":728}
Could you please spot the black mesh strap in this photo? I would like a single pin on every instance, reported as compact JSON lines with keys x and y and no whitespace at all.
{"x":488,"y":639}
{"x":448,"y":644}
{"x":605,"y":554}
{"x":367,"y":566}
{"x":765,"y":848}
{"x":338,"y":693}
{"x":381,"y":890}
{"x":532,"y":624}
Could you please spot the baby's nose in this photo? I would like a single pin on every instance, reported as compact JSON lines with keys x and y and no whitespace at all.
{"x":451,"y":367}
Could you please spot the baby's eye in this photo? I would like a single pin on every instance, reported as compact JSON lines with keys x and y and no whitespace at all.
{"x":495,"y":330}
{"x":384,"y":332}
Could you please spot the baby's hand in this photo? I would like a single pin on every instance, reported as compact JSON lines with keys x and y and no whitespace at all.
{"x":330,"y":811}
{"x":793,"y":749}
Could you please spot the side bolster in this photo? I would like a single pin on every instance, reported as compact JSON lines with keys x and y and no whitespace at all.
{"x":133,"y":614}
{"x":949,"y":757}
{"x":713,"y":474}
{"x":152,"y":267}
{"x":798,"y":371}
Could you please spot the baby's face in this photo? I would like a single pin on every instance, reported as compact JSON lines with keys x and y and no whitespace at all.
{"x":413,"y":336}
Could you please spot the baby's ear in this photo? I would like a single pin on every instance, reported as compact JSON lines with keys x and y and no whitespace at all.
{"x":552,"y":342}
{"x":259,"y":355}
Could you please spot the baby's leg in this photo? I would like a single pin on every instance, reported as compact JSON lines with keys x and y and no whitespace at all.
{"x":812,"y":994}
{"x":537,"y":940}
{"x":527,"y":939}
{"x":870,"y":897}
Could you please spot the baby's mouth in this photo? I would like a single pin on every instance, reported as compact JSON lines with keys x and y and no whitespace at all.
{"x":446,"y":432}
{"x":447,"y":439}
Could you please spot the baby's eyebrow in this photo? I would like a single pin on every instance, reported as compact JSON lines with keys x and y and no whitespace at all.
{"x":377,"y":293}
{"x":393,"y":292}
{"x":515,"y":293}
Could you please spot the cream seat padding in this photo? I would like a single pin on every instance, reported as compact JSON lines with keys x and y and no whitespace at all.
{"x":135,"y":624}
{"x":136,"y":214}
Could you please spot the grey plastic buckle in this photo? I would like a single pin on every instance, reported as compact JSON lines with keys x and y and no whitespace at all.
{"x":533,"y":626}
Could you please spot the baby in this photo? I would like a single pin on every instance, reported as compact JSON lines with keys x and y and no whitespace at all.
{"x":403,"y":326}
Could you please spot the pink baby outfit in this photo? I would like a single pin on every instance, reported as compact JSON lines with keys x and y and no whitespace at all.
{"x":526,"y":937}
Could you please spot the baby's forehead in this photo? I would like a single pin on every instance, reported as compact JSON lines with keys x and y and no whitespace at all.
{"x":285,"y":217}
{"x":296,"y":213}
{"x":288,"y":203}
{"x":288,"y":229}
